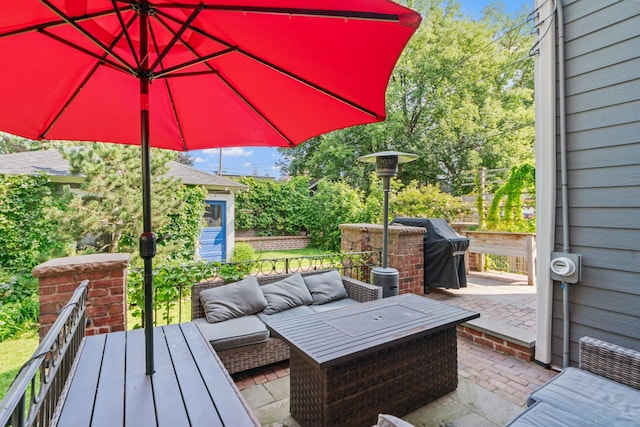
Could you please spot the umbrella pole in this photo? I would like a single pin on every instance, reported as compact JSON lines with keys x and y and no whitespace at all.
{"x":147,"y":239}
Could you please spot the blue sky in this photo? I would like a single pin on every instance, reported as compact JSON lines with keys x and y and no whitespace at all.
{"x":262,"y":161}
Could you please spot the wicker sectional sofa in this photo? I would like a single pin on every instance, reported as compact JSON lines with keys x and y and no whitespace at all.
{"x":603,"y":391}
{"x":244,"y":343}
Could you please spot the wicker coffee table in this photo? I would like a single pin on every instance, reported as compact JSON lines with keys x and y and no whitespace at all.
{"x":387,"y":356}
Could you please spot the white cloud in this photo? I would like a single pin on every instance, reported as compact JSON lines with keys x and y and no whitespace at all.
{"x":198,"y":160}
{"x":234,"y":151}
{"x":247,"y":164}
{"x":237,"y":151}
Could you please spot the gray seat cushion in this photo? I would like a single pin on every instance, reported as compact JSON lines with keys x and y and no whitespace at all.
{"x":325,"y":287}
{"x":344,"y":302}
{"x":233,"y":333}
{"x":232,"y":300}
{"x":590,"y":397}
{"x":286,"y":294}
{"x":542,"y":414}
{"x":303,"y":310}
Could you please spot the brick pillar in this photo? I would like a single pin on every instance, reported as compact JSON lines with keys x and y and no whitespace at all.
{"x":106,"y":304}
{"x":405,"y":247}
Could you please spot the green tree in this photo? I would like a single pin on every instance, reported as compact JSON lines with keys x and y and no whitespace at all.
{"x":28,"y":234}
{"x":412,"y":200}
{"x":109,"y":203}
{"x":460,"y":97}
{"x":16,"y":144}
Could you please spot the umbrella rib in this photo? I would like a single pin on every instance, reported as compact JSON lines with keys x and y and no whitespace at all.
{"x":102,"y":58}
{"x":265,"y":63}
{"x":255,"y":109}
{"x":310,"y":84}
{"x":59,"y":22}
{"x":82,"y":84}
{"x":353,"y":14}
{"x":88,"y":35}
{"x":176,"y":37}
{"x":134,"y":53}
{"x":166,"y":82}
{"x":167,"y":73}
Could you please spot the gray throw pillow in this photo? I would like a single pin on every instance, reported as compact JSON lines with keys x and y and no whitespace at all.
{"x":232,"y":300}
{"x":284,"y":294}
{"x":325,"y":287}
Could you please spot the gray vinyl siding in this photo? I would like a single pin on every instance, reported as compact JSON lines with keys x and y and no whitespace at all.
{"x":602,"y":59}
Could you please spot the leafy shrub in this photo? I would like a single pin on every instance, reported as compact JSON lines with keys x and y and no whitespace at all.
{"x":505,"y":213}
{"x":334,"y":203}
{"x":427,"y":201}
{"x":19,"y":304}
{"x":243,"y":252}
{"x":28,"y":235}
{"x":242,"y":262}
{"x":171,"y":281}
{"x":272,"y":208}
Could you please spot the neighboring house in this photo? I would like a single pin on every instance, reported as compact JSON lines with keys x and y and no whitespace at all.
{"x":218,"y":234}
{"x":593,"y":111}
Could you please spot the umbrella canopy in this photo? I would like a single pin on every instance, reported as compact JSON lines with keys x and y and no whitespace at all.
{"x":222,"y":73}
{"x":188,"y":74}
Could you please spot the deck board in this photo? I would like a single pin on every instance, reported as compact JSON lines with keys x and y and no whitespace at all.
{"x":221,"y":388}
{"x":108,"y":410}
{"x":139,"y":405}
{"x":202,"y":411}
{"x":165,"y":385}
{"x":84,"y":389}
{"x":190,"y":387}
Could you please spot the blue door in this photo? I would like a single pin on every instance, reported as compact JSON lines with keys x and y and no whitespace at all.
{"x":213,"y":238}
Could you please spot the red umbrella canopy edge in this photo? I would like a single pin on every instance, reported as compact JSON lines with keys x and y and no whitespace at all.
{"x":221,"y":73}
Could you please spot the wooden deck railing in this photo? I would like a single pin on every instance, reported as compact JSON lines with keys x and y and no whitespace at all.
{"x":33,"y":397}
{"x":521,"y":245}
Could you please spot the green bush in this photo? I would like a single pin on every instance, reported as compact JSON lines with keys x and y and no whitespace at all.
{"x":505,"y":213}
{"x":333,"y":203}
{"x":171,"y":280}
{"x":242,"y":263}
{"x":272,"y":208}
{"x":243,"y":252}
{"x":427,"y":201}
{"x":28,"y":235}
{"x":19,"y":304}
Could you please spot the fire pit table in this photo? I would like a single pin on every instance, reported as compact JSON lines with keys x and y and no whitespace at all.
{"x":391,"y":355}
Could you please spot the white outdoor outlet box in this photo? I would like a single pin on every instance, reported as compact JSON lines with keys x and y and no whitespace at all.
{"x":566,"y":268}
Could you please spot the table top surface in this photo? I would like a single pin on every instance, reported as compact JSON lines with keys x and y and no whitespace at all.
{"x":332,"y":337}
{"x":189,"y":387}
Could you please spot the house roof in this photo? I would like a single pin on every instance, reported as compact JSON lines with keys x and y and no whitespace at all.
{"x":56,"y":167}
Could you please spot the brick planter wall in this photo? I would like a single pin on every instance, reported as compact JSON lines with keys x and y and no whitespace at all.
{"x":405,"y":248}
{"x":106,"y":304}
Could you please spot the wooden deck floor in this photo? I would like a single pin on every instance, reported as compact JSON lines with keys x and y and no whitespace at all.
{"x":109,"y":386}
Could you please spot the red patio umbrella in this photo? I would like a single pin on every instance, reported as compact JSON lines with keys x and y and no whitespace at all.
{"x":209,"y":73}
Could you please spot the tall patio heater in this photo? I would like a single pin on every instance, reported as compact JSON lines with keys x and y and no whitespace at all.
{"x":386,"y":167}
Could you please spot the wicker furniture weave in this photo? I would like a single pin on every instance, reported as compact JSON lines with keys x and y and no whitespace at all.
{"x":392,"y":355}
{"x":619,"y":364}
{"x":273,"y":350}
